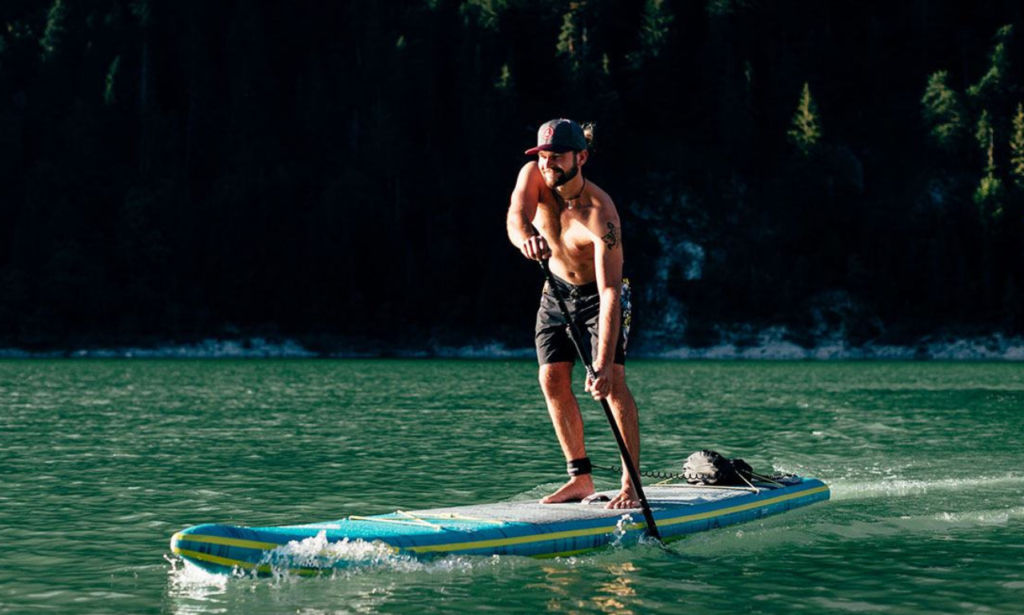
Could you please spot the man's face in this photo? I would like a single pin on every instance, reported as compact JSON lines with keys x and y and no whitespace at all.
{"x":557,"y":168}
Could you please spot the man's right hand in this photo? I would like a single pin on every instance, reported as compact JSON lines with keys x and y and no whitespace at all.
{"x":536,"y":248}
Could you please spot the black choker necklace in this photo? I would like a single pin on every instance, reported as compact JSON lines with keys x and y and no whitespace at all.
{"x":568,"y":202}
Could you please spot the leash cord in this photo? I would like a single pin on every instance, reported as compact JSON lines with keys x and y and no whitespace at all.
{"x":673,"y":476}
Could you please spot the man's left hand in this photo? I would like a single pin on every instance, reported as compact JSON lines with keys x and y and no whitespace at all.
{"x":599,"y":387}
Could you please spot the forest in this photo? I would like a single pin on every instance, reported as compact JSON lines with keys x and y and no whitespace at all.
{"x":339,"y":172}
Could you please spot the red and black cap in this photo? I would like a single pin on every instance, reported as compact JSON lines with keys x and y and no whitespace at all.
{"x":560,"y":135}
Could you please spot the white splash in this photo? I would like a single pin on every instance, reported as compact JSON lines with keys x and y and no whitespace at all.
{"x":621,"y":530}
{"x":317,"y":552}
{"x":842,"y":490}
{"x":189,"y":581}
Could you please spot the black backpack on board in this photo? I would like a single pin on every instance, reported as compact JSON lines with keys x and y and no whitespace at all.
{"x":711,"y":468}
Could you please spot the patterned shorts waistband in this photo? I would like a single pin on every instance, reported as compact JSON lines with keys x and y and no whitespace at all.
{"x":568,"y":288}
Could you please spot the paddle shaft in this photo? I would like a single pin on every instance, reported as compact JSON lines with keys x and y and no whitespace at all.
{"x":627,"y":460}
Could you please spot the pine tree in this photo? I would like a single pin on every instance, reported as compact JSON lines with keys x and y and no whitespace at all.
{"x":985,"y":135}
{"x":486,"y":13}
{"x":56,"y":26}
{"x":142,"y":10}
{"x":572,"y":40}
{"x":1017,"y":148}
{"x":988,"y":196}
{"x":109,"y":92}
{"x":805,"y":132}
{"x":655,"y":24}
{"x":720,"y":7}
{"x":942,"y":111}
{"x":992,"y":82}
{"x":504,"y":81}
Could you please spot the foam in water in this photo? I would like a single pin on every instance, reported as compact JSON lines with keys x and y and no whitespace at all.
{"x":773,"y":344}
{"x":317,"y":552}
{"x":981,"y":517}
{"x":794,"y":530}
{"x":842,"y":490}
{"x":192,"y":581}
{"x":347,"y":557}
{"x":941,"y":522}
{"x":620,"y":530}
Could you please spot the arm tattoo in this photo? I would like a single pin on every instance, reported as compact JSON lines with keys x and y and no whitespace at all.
{"x":612,"y":238}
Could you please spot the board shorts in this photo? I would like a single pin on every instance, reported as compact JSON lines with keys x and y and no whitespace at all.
{"x":553,"y":342}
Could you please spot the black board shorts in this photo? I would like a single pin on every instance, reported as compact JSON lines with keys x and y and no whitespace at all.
{"x":553,"y":342}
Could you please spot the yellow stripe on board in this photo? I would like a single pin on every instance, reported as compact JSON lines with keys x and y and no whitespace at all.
{"x":519,"y":540}
{"x":214,"y":559}
{"x":742,"y":507}
{"x":231,"y":563}
{"x":228,"y":542}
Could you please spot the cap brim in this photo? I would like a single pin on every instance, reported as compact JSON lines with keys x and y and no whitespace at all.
{"x":547,"y":148}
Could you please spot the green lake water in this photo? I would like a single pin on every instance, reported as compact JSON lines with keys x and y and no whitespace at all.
{"x":101,"y":461}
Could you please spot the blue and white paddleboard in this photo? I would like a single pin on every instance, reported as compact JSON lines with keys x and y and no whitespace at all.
{"x":509,"y":528}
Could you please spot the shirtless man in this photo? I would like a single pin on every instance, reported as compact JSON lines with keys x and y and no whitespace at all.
{"x":556,"y":213}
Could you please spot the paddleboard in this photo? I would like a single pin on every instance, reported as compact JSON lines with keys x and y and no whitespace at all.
{"x":507,"y":528}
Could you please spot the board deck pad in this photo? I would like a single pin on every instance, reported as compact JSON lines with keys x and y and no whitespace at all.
{"x":504,"y":528}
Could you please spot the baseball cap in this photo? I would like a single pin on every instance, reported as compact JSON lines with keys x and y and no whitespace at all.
{"x":559,"y":135}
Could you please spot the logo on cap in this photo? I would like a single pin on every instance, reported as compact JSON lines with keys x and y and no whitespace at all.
{"x":559,"y":135}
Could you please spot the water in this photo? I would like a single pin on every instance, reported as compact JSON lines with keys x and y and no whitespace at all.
{"x":102,"y":460}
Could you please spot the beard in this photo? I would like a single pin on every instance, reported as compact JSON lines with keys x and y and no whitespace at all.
{"x":558,"y":177}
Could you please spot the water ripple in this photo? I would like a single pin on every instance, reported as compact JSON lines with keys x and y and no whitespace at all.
{"x":102,"y":460}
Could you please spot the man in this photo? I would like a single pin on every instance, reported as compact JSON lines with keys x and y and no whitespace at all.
{"x":557,"y":214}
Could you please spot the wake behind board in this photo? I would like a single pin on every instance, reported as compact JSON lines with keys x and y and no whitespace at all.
{"x":509,"y":528}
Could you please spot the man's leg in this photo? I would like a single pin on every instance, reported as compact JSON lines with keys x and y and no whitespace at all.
{"x":556,"y":382}
{"x":624,"y":409}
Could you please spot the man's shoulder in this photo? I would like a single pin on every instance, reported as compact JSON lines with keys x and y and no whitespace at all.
{"x":602,"y":208}
{"x":600,"y":198}
{"x":601,"y":218}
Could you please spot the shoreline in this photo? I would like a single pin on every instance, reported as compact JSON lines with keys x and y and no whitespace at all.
{"x":993,"y":347}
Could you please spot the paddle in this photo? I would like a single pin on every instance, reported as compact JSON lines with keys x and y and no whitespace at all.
{"x":574,"y":333}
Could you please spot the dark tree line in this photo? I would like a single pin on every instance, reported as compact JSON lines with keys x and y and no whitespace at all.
{"x":340,"y":170}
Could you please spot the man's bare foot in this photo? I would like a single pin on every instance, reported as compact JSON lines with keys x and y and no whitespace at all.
{"x":575,"y":490}
{"x":627,"y":498}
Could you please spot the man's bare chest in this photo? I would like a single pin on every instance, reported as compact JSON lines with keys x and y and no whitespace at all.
{"x":567,"y":228}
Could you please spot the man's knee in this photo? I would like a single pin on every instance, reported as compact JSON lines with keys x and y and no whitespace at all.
{"x":556,"y":379}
